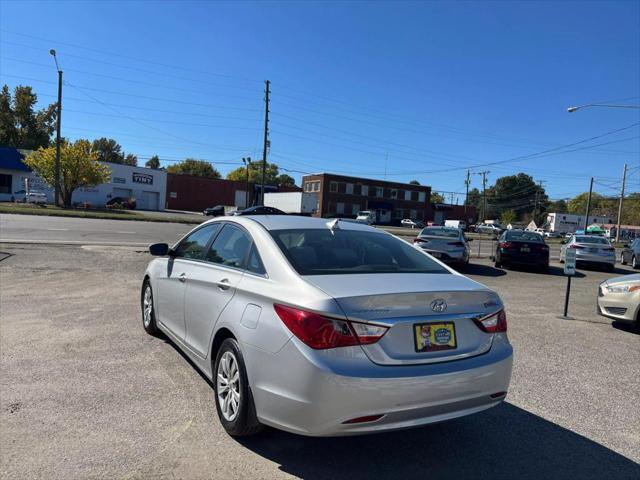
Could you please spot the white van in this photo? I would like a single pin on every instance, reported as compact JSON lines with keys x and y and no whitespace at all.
{"x":461,"y":224}
{"x":366,"y":216}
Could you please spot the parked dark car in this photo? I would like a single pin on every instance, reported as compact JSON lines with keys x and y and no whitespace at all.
{"x":122,"y":202}
{"x":520,"y":247}
{"x":217,"y":211}
{"x":259,"y":210}
{"x":631,"y":254}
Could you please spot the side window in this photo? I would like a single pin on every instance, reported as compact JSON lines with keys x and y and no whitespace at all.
{"x":230,"y":248}
{"x":193,"y":247}
{"x":255,"y":263}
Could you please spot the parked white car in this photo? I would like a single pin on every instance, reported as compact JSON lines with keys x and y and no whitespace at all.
{"x":21,"y":196}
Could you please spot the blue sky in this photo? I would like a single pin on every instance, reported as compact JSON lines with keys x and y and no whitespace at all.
{"x":417,"y":90}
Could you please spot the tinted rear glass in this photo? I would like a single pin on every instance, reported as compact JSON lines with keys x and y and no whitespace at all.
{"x":441,"y":232}
{"x":524,"y":237}
{"x":323,"y":252}
{"x":599,"y":240}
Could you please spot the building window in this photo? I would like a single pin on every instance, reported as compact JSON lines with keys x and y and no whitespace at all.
{"x":355,"y":208}
{"x":378,"y":192}
{"x":342,"y":187}
{"x":393,"y":193}
{"x":312,"y":187}
{"x":422,"y":197}
{"x":349,"y":189}
{"x":407,"y":195}
{"x":398,"y":212}
{"x":333,"y":187}
{"x":340,"y":208}
{"x":5,"y":183}
{"x":365,"y":190}
{"x":412,"y":215}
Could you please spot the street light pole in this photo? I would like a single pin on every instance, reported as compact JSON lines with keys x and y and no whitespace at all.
{"x":247,"y":162}
{"x":56,"y":198}
{"x":573,"y":109}
{"x":624,"y":179}
{"x":586,"y":218}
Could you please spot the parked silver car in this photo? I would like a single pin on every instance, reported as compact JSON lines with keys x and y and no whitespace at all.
{"x":619,"y":298}
{"x":591,"y":249}
{"x":631,"y":254}
{"x":326,"y":328}
{"x":445,"y":243}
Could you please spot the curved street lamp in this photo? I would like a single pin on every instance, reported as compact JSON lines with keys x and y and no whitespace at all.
{"x":573,"y":109}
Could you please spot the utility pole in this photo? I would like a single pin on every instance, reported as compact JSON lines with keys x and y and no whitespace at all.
{"x":56,"y":198}
{"x":467,"y":182}
{"x":624,"y":179}
{"x":484,"y":193}
{"x":586,"y":218}
{"x":537,"y":198}
{"x":266,"y":138}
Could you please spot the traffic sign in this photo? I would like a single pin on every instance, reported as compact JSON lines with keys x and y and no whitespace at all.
{"x":570,"y":261}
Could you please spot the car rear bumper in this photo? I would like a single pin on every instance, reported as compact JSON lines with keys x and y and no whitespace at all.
{"x":510,"y":258}
{"x":313,"y":392}
{"x":595,"y":258}
{"x":455,"y":256}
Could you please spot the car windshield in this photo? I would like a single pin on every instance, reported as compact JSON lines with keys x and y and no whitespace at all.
{"x":440,"y":232}
{"x":598,"y":240}
{"x":524,"y":237}
{"x":326,"y":252}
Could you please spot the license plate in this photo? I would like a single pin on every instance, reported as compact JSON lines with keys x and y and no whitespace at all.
{"x":592,"y":250}
{"x":431,"y":337}
{"x":436,"y":254}
{"x":525,"y":249}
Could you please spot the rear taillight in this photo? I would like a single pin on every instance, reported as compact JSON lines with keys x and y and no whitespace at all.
{"x":575,"y":246}
{"x":496,"y":322}
{"x":506,"y":245}
{"x":420,"y":240}
{"x":321,"y":332}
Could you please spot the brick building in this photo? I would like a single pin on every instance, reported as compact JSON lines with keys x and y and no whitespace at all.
{"x":188,"y":192}
{"x":342,"y":196}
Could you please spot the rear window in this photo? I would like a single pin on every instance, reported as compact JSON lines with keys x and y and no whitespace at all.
{"x":441,"y":232}
{"x":326,"y":252}
{"x":598,"y":240}
{"x":525,"y":237}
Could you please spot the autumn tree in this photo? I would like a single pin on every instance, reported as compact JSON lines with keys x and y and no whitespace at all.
{"x":192,"y":166}
{"x":255,"y":173}
{"x":79,"y":167}
{"x":21,"y":125}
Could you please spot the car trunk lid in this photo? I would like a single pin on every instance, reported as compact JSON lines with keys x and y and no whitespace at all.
{"x":413,"y":305}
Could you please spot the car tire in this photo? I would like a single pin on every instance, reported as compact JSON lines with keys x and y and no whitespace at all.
{"x":497,"y":262}
{"x":229,"y":365}
{"x":148,"y":311}
{"x":634,"y":263}
{"x":622,"y":260}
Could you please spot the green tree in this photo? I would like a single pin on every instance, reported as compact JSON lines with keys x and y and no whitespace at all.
{"x":255,"y":173}
{"x":516,"y":192}
{"x":108,"y":150}
{"x":192,"y":166}
{"x":507,"y":217}
{"x":153,"y":162}
{"x":578,"y":204}
{"x":79,"y":167}
{"x":474,"y":199}
{"x":414,"y":182}
{"x":21,"y":126}
{"x":559,"y":206}
{"x":284,"y":180}
{"x":631,"y":209}
{"x":131,"y":159}
{"x":436,"y":198}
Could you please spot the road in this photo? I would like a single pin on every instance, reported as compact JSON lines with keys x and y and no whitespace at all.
{"x":85,"y":393}
{"x":70,"y":230}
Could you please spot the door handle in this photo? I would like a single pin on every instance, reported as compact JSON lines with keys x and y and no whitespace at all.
{"x":223,"y":284}
{"x":182,"y":277}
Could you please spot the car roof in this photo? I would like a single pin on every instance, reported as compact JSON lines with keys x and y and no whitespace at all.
{"x":288,"y":222}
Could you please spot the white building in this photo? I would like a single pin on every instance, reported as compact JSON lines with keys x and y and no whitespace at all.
{"x":569,"y":223}
{"x":146,"y":185}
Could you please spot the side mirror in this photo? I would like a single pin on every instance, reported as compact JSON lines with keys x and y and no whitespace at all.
{"x":159,"y":249}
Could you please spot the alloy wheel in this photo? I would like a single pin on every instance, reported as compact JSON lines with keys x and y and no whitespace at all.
{"x":228,"y":386}
{"x":147,"y":305}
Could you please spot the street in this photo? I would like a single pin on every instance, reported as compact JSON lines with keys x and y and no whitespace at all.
{"x":87,"y":394}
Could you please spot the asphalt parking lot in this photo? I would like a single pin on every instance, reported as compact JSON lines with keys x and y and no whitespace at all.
{"x":85,"y":393}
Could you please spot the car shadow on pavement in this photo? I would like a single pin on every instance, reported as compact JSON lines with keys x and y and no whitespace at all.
{"x":631,"y":327}
{"x":504,"y":442}
{"x":482,"y":270}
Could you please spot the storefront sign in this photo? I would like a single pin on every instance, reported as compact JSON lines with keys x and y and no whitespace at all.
{"x":142,"y":178}
{"x":120,"y":180}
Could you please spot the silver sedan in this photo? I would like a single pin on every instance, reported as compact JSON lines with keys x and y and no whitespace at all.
{"x":619,"y":298}
{"x":326,"y":328}
{"x":445,"y":243}
{"x":590,"y":249}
